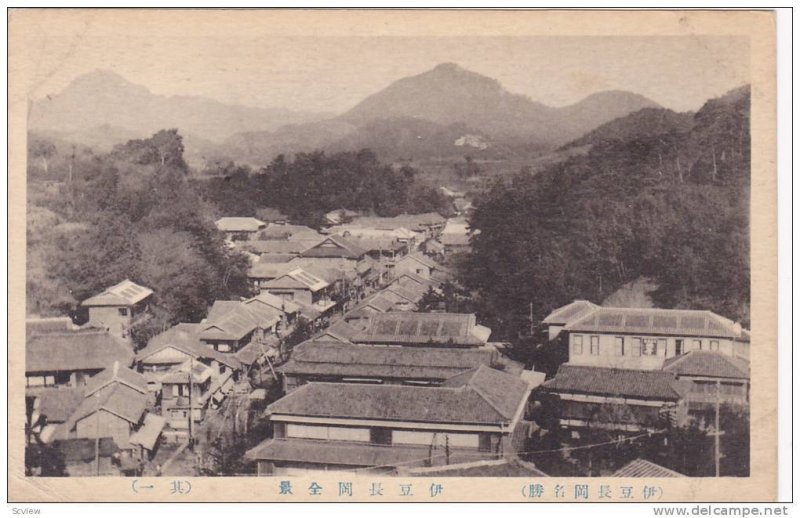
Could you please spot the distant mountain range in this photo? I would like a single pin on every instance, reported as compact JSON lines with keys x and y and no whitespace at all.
{"x":446,"y":111}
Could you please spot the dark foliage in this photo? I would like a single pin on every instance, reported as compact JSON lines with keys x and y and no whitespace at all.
{"x":312,"y":184}
{"x":671,"y":206}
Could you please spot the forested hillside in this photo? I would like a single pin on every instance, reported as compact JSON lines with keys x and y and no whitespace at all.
{"x":312,"y":184}
{"x":670,"y":205}
{"x":97,"y":219}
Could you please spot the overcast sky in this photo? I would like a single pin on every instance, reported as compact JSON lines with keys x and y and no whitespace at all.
{"x":333,"y":73}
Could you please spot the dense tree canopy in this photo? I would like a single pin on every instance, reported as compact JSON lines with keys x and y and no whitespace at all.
{"x":131,"y":214}
{"x":313,"y":184}
{"x":671,"y":206}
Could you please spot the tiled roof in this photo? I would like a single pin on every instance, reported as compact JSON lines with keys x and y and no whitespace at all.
{"x":645,"y":469}
{"x":614,"y":382}
{"x":335,"y":246}
{"x":232,"y":320}
{"x":126,"y":293}
{"x":678,"y":322}
{"x":340,"y":330}
{"x":268,"y":270}
{"x":419,"y":258}
{"x":421,"y":328}
{"x":568,"y":313}
{"x":121,"y":400}
{"x":471,"y":400}
{"x":347,"y":453}
{"x":279,"y":303}
{"x":298,"y":279}
{"x":413,"y":279}
{"x":236,"y":224}
{"x":38,"y":326}
{"x":148,"y":434}
{"x":415,"y":222}
{"x":116,"y":374}
{"x":180,"y":373}
{"x":317,"y":357}
{"x":57,"y":403}
{"x":255,"y":350}
{"x":277,"y":246}
{"x":410,"y":292}
{"x":482,"y":468}
{"x":75,"y":350}
{"x":184,"y":337}
{"x":708,"y":364}
{"x":277,"y":231}
{"x":453,"y":239}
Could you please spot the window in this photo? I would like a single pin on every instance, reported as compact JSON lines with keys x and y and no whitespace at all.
{"x":123,"y":312}
{"x":594,"y":345}
{"x":619,"y":346}
{"x":678,"y":347}
{"x":380,"y":435}
{"x":697,"y":345}
{"x":662,"y":347}
{"x":714,"y":345}
{"x":649,"y":347}
{"x":577,"y":344}
{"x":636,"y":347}
{"x":224,"y":348}
{"x":485,"y":442}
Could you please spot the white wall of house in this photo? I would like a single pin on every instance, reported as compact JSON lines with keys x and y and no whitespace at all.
{"x":646,"y":352}
{"x":104,"y":424}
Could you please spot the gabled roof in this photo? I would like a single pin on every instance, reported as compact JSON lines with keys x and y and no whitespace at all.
{"x":184,"y":337}
{"x":57,"y":404}
{"x":278,"y":246}
{"x":237,"y":224}
{"x":470,"y":402}
{"x":645,"y":469}
{"x":422,"y":328}
{"x":335,"y":246}
{"x":273,"y":301}
{"x":582,"y":317}
{"x":570,"y":312}
{"x":91,"y":349}
{"x":708,"y":364}
{"x":126,"y":293}
{"x":419,"y":258}
{"x":120,"y":400}
{"x":377,"y":302}
{"x":327,"y":358}
{"x":116,"y":374}
{"x":232,"y":320}
{"x":412,"y":278}
{"x":415,"y":222}
{"x":453,"y":239}
{"x":604,"y":381}
{"x":298,"y":279}
{"x":340,"y":331}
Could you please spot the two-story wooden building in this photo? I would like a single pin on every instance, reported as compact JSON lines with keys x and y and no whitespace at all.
{"x":305,"y":289}
{"x":325,"y":360}
{"x":638,"y":338}
{"x":240,"y":228}
{"x":343,"y":426}
{"x":119,"y":308}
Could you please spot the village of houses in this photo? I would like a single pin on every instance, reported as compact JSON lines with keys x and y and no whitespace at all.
{"x":379,"y":387}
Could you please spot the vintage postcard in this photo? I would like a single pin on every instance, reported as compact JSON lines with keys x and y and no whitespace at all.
{"x":392,"y":256}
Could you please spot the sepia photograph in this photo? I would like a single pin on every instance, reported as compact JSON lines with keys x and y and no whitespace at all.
{"x":369,"y":263}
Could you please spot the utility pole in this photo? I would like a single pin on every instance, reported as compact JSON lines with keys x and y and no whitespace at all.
{"x":717,"y":434}
{"x":191,"y":409}
{"x":97,"y":436}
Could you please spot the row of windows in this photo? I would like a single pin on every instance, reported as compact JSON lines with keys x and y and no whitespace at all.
{"x":638,"y":346}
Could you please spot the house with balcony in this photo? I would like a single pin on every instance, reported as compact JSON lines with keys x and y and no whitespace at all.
{"x":310,"y":292}
{"x":187,"y":390}
{"x":119,"y":308}
{"x":711,"y":378}
{"x":613,"y":399}
{"x":478,"y":414}
{"x":176,"y":346}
